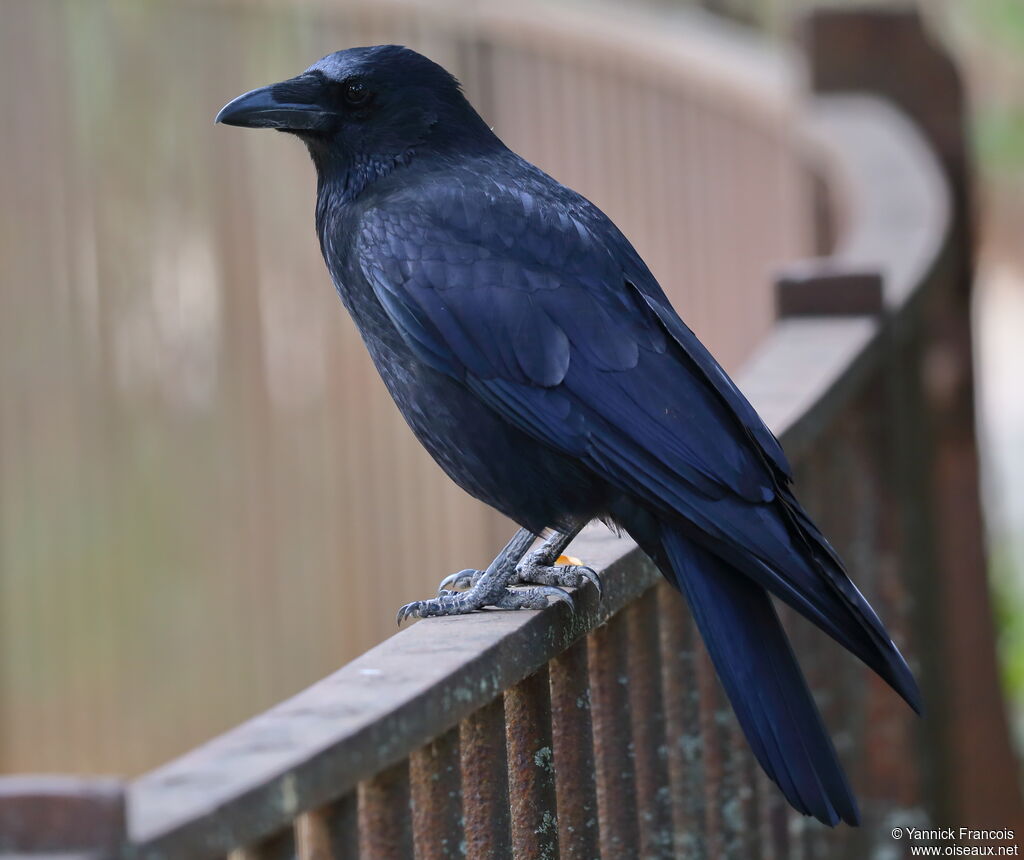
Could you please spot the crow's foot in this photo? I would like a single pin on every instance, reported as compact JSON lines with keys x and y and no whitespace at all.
{"x":543,"y":570}
{"x":534,"y":569}
{"x":566,"y":572}
{"x":463,"y":602}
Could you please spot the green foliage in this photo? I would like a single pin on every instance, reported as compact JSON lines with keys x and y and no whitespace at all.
{"x":1001,"y":21}
{"x":999,"y":138}
{"x":1008,"y":591}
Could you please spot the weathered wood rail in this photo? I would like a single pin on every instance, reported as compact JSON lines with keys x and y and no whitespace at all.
{"x":604,"y":733}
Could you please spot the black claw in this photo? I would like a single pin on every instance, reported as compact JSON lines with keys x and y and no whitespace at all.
{"x":410,"y":610}
{"x":559,"y":594}
{"x":591,"y":575}
{"x":447,"y":584}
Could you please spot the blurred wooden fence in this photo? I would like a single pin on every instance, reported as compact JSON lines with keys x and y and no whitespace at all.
{"x":207,"y":499}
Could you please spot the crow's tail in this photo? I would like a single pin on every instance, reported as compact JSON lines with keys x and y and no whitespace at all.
{"x":760,"y":674}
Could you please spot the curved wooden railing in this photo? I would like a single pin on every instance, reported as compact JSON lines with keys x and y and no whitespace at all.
{"x":604,"y":732}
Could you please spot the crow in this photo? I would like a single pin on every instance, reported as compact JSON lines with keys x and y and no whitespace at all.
{"x":536,"y":358}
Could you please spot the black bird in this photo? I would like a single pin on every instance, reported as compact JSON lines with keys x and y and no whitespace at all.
{"x":539,"y":362}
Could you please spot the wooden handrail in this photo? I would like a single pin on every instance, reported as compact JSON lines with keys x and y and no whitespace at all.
{"x":367,"y":716}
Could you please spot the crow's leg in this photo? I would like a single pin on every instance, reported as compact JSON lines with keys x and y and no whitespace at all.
{"x":540,"y":566}
{"x":509,"y":557}
{"x":488,"y":588}
{"x":535,"y":568}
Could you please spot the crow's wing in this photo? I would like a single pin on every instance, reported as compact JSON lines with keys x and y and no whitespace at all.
{"x":547,"y":313}
{"x":533,"y":310}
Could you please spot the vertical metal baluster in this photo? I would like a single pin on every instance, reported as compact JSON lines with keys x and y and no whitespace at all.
{"x":730,"y":802}
{"x":613,"y":743}
{"x":758,"y":848}
{"x":280,"y":846}
{"x":823,"y":662}
{"x":385,"y":831}
{"x":572,"y":735}
{"x":707,"y":684}
{"x":681,"y":701}
{"x":485,"y":783}
{"x":796,"y":825}
{"x":329,"y":833}
{"x":653,"y":795}
{"x":531,"y":767}
{"x":771,"y":818}
{"x":740,"y":803}
{"x":435,"y":778}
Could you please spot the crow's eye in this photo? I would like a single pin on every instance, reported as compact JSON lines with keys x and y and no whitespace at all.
{"x":356,"y":93}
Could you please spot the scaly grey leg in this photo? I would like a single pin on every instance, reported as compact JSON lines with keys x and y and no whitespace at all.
{"x":539,"y":566}
{"x":510,"y":556}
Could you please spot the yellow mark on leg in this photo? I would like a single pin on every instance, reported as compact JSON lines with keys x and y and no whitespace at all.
{"x":569,"y":559}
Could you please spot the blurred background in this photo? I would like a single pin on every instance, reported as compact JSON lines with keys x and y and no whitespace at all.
{"x":207,"y":499}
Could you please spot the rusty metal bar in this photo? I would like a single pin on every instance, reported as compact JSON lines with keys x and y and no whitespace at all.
{"x":757,"y":846}
{"x":743,"y":804}
{"x":485,"y":783}
{"x":436,"y":782}
{"x":653,"y":795}
{"x":707,"y":685}
{"x":573,"y":741}
{"x":769,"y":802}
{"x":680,"y":700}
{"x":280,"y":846}
{"x":329,"y":833}
{"x":729,"y":813}
{"x":385,"y":831}
{"x":531,"y":767}
{"x":613,"y":742}
{"x":752,"y":846}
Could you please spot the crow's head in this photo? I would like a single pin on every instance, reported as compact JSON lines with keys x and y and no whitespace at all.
{"x":376,"y":104}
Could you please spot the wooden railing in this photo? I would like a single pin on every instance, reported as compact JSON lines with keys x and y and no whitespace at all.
{"x":604,"y":732}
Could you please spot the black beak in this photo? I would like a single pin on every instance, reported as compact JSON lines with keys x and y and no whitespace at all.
{"x":290,"y":106}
